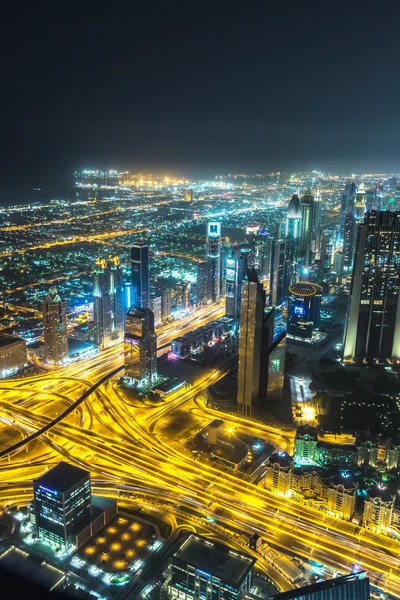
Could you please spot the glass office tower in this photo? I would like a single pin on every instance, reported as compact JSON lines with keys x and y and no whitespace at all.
{"x":140,"y":274}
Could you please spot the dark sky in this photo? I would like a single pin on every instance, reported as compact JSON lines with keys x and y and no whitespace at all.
{"x":198,"y":87}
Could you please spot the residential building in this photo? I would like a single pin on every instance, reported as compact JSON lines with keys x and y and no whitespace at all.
{"x":367,"y":450}
{"x":278,"y":474}
{"x":305,"y":444}
{"x":342,"y":497}
{"x":12,"y":354}
{"x":378,"y":509}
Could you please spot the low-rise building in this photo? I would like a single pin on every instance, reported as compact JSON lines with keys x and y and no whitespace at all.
{"x":393,"y":453}
{"x":342,"y":456}
{"x":278,"y":476}
{"x":378,"y":510}
{"x":305,"y":444}
{"x":342,"y":496}
{"x":12,"y":354}
{"x":367,"y":449}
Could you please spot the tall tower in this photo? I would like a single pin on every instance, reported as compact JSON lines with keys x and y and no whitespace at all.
{"x":306,"y":226}
{"x":349,"y":241}
{"x":140,"y":274}
{"x":55,"y":328}
{"x":372,"y":332}
{"x":250,"y":345}
{"x":360,"y":204}
{"x":348,"y":199}
{"x":316,"y":220}
{"x":293,"y":223}
{"x":203,"y":282}
{"x":108,"y":301}
{"x":214,"y":257}
{"x":234,"y":275}
{"x":278,"y":270}
{"x":140,"y":347}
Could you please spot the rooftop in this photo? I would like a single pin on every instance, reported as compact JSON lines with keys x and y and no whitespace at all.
{"x":6,"y":340}
{"x":215,"y":559}
{"x":319,"y":587}
{"x":62,"y":477}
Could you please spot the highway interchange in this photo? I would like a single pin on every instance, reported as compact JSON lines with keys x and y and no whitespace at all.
{"x":116,"y":439}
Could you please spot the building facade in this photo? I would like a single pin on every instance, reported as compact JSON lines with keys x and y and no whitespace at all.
{"x":12,"y":354}
{"x":140,"y":274}
{"x":140,"y":347}
{"x":55,"y":328}
{"x":372,"y":332}
{"x":213,"y":255}
{"x":378,"y":510}
{"x":108,"y":302}
{"x":304,"y":309}
{"x":234,"y":275}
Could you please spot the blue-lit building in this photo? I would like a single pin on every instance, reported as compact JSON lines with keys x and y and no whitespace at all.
{"x":62,"y":505}
{"x":214,"y":257}
{"x":140,"y":274}
{"x":234,"y":275}
{"x":202,"y":568}
{"x":304,"y":309}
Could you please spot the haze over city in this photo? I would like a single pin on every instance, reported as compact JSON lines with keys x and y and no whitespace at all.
{"x":199,"y":302}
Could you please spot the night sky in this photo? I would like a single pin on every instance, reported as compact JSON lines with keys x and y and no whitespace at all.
{"x":199,"y":88}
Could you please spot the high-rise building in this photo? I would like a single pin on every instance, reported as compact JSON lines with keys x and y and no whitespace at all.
{"x":128,"y":297}
{"x":108,"y":302}
{"x":165,"y":304}
{"x":360,"y":204}
{"x":272,"y":366}
{"x":156,"y":308}
{"x":372,"y":332}
{"x":262,"y":245}
{"x":349,"y":241}
{"x":202,"y":568}
{"x":348,"y":199}
{"x":140,"y":347}
{"x":293,"y":224}
{"x":306,"y":226}
{"x":188,"y":195}
{"x":55,"y":328}
{"x":278,"y":273}
{"x":12,"y":354}
{"x":140,"y":274}
{"x":62,"y":503}
{"x":234,"y":275}
{"x":203,"y":281}
{"x":348,"y":587}
{"x":214,"y":257}
{"x":182,"y":295}
{"x":250,"y":345}
{"x":316,"y":221}
{"x":304,"y":309}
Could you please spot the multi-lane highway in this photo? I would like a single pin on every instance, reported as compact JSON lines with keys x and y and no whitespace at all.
{"x":117,"y":440}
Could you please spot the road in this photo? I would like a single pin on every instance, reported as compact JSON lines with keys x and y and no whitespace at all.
{"x":117,"y":441}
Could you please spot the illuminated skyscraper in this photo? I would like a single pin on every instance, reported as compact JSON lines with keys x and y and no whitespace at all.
{"x":108,"y":302}
{"x":360,"y":204}
{"x":293,"y":223}
{"x":55,"y":328}
{"x":203,"y":281}
{"x":306,"y":226}
{"x":277,"y":290}
{"x":316,"y":221}
{"x":214,"y":257}
{"x":182,"y":295}
{"x":140,"y":347}
{"x":188,"y":195}
{"x":372,"y":332}
{"x":250,"y":345}
{"x":348,"y":199}
{"x":234,"y":275}
{"x":349,"y":241}
{"x":165,"y":304}
{"x":140,"y":274}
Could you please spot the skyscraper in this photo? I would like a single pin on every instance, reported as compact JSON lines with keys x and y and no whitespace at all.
{"x":349,"y":241}
{"x":214,"y":257}
{"x":360,"y":204}
{"x":304,"y":309}
{"x":250,"y":344}
{"x":278,"y":273}
{"x":108,"y":302}
{"x":293,"y":223}
{"x":316,"y":221}
{"x":348,"y":199}
{"x":306,"y":226}
{"x":165,"y":304}
{"x":140,"y":347}
{"x":62,"y":503}
{"x":55,"y":328}
{"x":372,"y":332}
{"x":234,"y":275}
{"x":140,"y":274}
{"x":203,"y":282}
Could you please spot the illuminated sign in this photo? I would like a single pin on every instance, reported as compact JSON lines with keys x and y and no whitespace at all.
{"x":41,"y":487}
{"x":298,"y":310}
{"x":214,"y":229}
{"x":230,"y":274}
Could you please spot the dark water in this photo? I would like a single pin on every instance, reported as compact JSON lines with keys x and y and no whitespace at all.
{"x":41,"y":194}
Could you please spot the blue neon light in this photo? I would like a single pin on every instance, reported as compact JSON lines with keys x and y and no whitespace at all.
{"x":203,"y":573}
{"x":47,"y":489}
